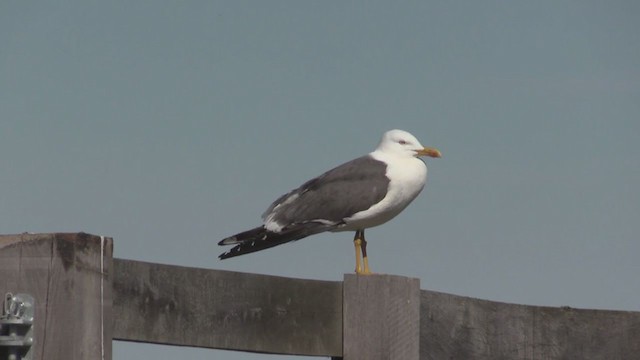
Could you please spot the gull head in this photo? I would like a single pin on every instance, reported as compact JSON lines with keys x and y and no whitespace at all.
{"x":402,"y":143}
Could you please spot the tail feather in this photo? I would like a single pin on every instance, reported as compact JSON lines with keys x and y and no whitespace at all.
{"x":260,"y":238}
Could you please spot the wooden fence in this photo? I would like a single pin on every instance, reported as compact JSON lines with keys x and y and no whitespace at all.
{"x":85,"y":299}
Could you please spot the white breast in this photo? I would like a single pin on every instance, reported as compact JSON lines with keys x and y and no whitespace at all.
{"x":407,"y":177}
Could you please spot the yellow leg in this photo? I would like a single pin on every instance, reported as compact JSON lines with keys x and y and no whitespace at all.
{"x":361,"y":254}
{"x":365,"y":259}
{"x":357,"y":242}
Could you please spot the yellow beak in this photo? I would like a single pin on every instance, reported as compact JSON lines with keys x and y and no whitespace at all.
{"x":431,"y":152}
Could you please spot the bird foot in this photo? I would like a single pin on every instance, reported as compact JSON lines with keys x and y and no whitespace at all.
{"x":362,"y":272}
{"x":365,"y":269}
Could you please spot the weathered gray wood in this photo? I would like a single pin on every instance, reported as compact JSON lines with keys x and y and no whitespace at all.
{"x":457,"y":327}
{"x":226,"y":310}
{"x":63,"y":273}
{"x":381,"y":317}
{"x":24,"y":268}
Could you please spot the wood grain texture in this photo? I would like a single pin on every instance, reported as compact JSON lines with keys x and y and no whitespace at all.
{"x":226,"y":310}
{"x":62,"y":272}
{"x":381,"y":317}
{"x":24,"y":268}
{"x":457,"y":327}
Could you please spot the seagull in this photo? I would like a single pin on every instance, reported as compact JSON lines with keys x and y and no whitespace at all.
{"x":362,"y":193}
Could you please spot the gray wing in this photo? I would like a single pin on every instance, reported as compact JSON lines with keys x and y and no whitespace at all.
{"x":337,"y":194}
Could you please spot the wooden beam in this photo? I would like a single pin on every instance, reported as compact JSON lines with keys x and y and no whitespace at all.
{"x":381,"y":317}
{"x":457,"y":327}
{"x":68,"y":275}
{"x":186,"y":306}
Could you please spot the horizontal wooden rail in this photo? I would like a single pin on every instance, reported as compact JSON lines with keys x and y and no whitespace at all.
{"x":458,"y":327}
{"x":226,"y":310}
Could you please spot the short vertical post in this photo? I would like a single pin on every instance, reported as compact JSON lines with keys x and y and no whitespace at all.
{"x":381,"y":317}
{"x":69,"y":276}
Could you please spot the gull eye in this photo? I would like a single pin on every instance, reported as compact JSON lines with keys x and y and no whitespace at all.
{"x":402,"y":142}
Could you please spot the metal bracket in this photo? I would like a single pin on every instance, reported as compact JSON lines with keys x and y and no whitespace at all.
{"x":16,"y":330}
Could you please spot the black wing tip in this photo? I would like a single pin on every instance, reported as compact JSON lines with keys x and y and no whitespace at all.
{"x":240,"y":249}
{"x":243,"y":237}
{"x":227,"y":254}
{"x":260,"y":239}
{"x":228,"y":241}
{"x":244,"y":242}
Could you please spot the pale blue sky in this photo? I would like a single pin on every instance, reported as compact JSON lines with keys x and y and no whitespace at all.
{"x":170,"y":125}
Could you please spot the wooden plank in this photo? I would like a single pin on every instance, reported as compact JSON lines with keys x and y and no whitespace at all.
{"x":226,"y":310}
{"x":62,"y":272}
{"x":457,"y":327}
{"x":381,"y":317}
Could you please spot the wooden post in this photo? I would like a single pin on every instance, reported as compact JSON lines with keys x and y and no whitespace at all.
{"x":69,"y":277}
{"x":381,"y":315}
